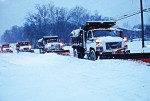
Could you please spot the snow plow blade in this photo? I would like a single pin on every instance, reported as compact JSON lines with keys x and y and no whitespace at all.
{"x":145,"y":57}
{"x":61,"y":52}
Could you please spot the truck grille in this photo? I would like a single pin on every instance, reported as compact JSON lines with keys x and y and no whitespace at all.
{"x":26,"y":48}
{"x":113,"y":45}
{"x":55,"y":46}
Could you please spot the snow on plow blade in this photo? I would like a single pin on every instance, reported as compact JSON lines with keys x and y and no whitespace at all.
{"x":61,"y":52}
{"x":145,"y":57}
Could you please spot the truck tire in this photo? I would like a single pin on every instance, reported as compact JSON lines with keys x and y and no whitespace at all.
{"x":41,"y":51}
{"x":92,"y":55}
{"x":78,"y":54}
{"x":81,"y":55}
{"x":32,"y":51}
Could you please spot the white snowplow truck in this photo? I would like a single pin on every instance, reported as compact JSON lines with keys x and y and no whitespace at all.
{"x":52,"y":44}
{"x":24,"y":46}
{"x":96,"y":38}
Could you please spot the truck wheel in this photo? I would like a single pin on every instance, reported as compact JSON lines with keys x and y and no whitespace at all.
{"x":40,"y":51}
{"x":78,"y":54}
{"x":96,"y":55}
{"x":83,"y":54}
{"x":92,"y":55}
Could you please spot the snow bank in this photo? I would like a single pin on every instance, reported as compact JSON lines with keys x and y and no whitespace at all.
{"x":52,"y":77}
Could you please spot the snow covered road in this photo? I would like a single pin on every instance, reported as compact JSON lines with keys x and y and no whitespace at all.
{"x":51,"y":77}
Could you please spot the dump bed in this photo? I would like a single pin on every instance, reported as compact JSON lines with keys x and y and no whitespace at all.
{"x":97,"y":24}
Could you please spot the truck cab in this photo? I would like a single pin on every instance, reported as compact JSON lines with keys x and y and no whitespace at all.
{"x":49,"y":43}
{"x":107,"y":39}
{"x":97,"y":38}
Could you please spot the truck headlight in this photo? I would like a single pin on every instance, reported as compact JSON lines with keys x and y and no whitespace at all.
{"x":125,"y":39}
{"x":48,"y":45}
{"x":21,"y":47}
{"x":30,"y":46}
{"x":61,"y":44}
{"x":98,"y":42}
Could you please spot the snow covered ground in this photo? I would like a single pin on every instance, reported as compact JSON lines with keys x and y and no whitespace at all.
{"x":135,"y":46}
{"x":51,"y":77}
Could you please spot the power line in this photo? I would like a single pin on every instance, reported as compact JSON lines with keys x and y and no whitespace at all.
{"x":130,"y":14}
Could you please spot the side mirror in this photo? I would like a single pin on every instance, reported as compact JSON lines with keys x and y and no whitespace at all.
{"x":90,"y":39}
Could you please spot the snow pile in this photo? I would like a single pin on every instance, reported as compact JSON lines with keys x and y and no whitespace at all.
{"x":52,"y":77}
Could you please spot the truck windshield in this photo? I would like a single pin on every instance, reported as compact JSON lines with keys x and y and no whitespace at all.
{"x":5,"y":46}
{"x":51,"y":40}
{"x":101,"y":33}
{"x":24,"y":43}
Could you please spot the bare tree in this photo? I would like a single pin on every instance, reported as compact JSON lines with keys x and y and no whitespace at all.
{"x":79,"y":15}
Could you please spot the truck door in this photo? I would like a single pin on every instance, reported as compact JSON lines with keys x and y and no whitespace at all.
{"x":90,"y":39}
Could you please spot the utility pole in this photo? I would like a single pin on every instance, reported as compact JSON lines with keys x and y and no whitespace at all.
{"x":142,"y":23}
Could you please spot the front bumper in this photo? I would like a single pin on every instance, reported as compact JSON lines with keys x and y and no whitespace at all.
{"x":61,"y":52}
{"x":99,"y":49}
{"x":7,"y":50}
{"x":26,"y":50}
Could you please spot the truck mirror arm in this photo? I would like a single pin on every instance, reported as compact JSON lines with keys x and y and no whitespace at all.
{"x":90,"y":39}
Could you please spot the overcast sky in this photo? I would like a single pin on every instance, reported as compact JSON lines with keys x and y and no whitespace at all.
{"x":13,"y":12}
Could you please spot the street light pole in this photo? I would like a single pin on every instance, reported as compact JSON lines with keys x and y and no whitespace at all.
{"x":142,"y":23}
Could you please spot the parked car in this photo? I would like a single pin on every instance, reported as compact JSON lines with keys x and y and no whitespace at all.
{"x":6,"y":48}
